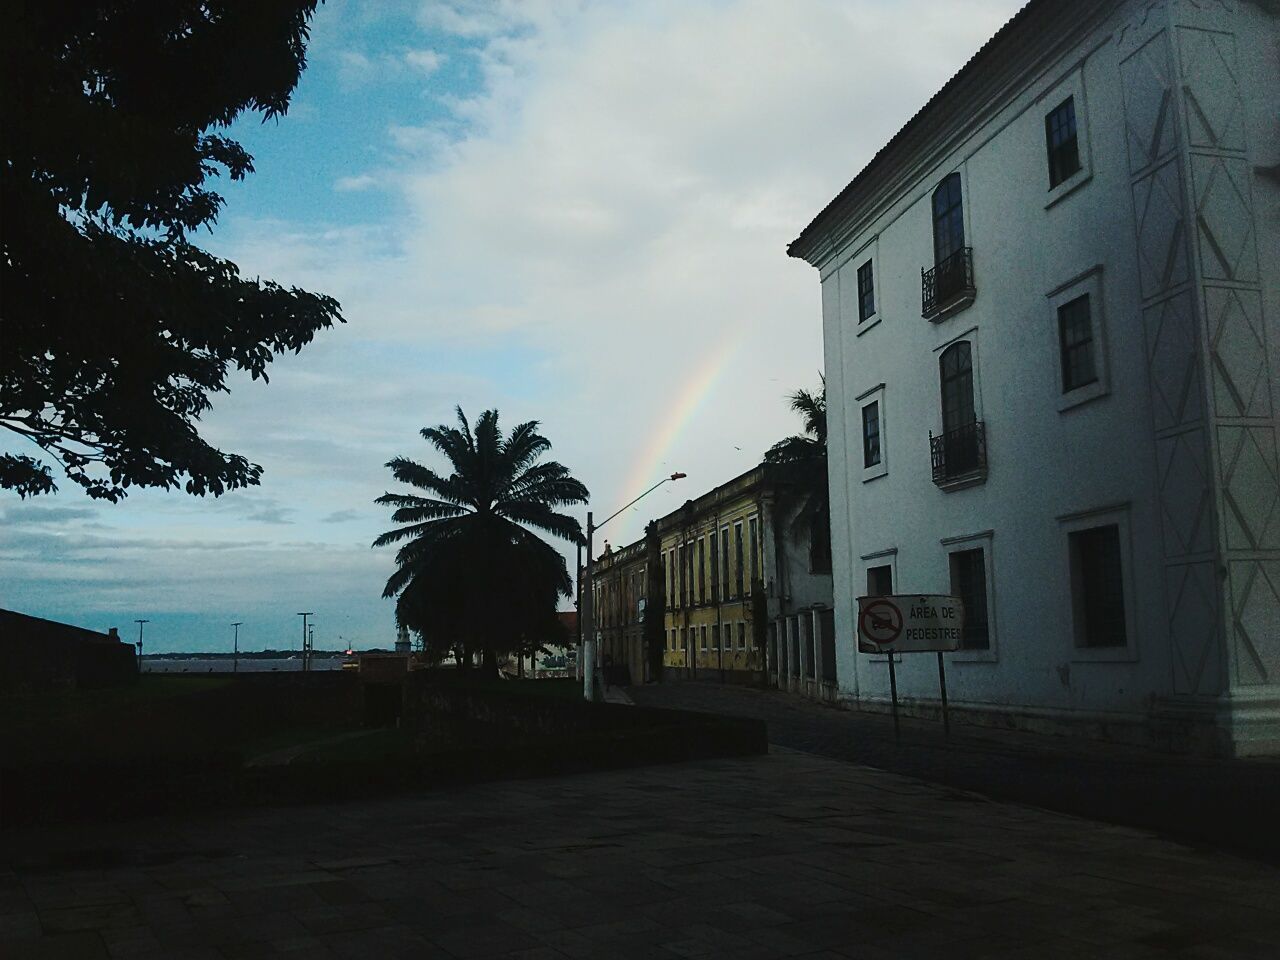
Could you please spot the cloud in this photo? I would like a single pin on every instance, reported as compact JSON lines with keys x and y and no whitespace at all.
{"x":601,"y":217}
{"x":424,"y":61}
{"x":340,"y":516}
{"x":362,"y":181}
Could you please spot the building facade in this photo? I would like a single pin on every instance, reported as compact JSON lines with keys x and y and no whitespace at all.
{"x":1050,"y":327}
{"x":726,"y":587}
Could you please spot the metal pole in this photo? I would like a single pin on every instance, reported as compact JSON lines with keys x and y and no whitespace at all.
{"x":311,"y":645}
{"x":588,"y":655}
{"x":942,"y":685}
{"x":893,"y":692}
{"x":140,"y":623}
{"x":235,"y":664}
{"x":578,"y":573}
{"x":304,"y":616}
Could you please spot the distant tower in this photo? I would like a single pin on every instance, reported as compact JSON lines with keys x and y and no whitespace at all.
{"x":402,"y":639}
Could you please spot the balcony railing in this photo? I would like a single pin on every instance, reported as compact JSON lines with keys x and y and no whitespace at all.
{"x":959,"y":454}
{"x":949,"y":284}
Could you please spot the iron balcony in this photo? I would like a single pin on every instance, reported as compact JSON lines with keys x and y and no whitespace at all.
{"x":948,"y":286}
{"x":959,"y":456}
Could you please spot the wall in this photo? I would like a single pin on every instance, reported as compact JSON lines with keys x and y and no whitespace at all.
{"x":1049,"y":464}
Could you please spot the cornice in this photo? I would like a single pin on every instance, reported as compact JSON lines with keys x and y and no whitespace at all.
{"x":999,"y":73}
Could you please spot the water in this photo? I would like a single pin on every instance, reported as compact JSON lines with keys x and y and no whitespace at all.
{"x":224,"y":665}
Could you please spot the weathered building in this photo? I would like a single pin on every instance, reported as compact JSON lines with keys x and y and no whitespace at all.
{"x":1050,"y":310}
{"x":737,"y":590}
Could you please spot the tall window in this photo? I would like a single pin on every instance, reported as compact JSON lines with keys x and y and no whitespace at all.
{"x":684,"y":586}
{"x":969,"y":583}
{"x":737,"y":558}
{"x":715,"y":636}
{"x":724,"y":563}
{"x":715,"y":568}
{"x":948,"y":219}
{"x":1075,"y":339}
{"x":880,"y":581}
{"x":689,"y":557}
{"x":704,"y":638}
{"x":702,"y":570}
{"x":956,"y":373}
{"x":671,"y":592}
{"x":742,"y":636}
{"x":1062,"y":143}
{"x":871,"y":434}
{"x":754,"y":543}
{"x":1097,"y":582}
{"x":866,"y":292}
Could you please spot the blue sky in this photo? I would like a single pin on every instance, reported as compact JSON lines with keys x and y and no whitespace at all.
{"x":559,"y":208}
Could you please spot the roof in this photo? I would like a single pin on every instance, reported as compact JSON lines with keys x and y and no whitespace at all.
{"x":987,"y":53}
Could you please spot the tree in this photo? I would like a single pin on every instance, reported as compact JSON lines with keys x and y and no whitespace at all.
{"x":115,"y":328}
{"x":808,"y":453}
{"x":472,"y":569}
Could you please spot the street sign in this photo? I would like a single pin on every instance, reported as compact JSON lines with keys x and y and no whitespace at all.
{"x":909,"y":623}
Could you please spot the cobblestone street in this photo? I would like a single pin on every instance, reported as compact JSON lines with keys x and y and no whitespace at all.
{"x":1227,"y":804}
{"x":788,"y":855}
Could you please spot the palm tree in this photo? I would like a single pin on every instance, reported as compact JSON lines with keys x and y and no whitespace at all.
{"x":472,"y":571}
{"x":808,"y":451}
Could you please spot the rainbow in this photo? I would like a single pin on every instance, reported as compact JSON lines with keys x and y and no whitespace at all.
{"x":649,"y":465}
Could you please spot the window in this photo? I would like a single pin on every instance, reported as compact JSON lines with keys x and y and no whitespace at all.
{"x":773,"y":646}
{"x":1075,"y":341}
{"x":871,"y":434}
{"x":702,"y":570}
{"x":1097,"y":586}
{"x":959,"y":454}
{"x":737,"y":559}
{"x":715,"y":568}
{"x":880,"y":581}
{"x":684,"y":638}
{"x":704,"y":638}
{"x":715,"y":636}
{"x":724,"y":563}
{"x":684,"y":583}
{"x":753,"y":539}
{"x":671,"y":595}
{"x":969,"y":583}
{"x":820,"y":542}
{"x":948,"y":219}
{"x":1062,"y":142}
{"x":866,"y":293}
{"x":742,"y":636}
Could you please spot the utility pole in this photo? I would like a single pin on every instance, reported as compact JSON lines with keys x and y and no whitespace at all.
{"x":140,"y":623}
{"x":587,"y":619}
{"x":309,"y":613}
{"x":235,"y":664}
{"x":311,"y":645}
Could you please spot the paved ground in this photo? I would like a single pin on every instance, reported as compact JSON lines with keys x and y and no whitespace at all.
{"x":788,"y":855}
{"x":1231,"y":805}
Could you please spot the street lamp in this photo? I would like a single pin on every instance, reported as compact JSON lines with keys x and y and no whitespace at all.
{"x":309,"y":613}
{"x":235,"y":664}
{"x":588,"y":599}
{"x":140,"y":623}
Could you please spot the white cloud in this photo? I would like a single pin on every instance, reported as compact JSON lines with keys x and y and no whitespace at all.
{"x":603,"y":217}
{"x":425,"y":61}
{"x":363,"y":181}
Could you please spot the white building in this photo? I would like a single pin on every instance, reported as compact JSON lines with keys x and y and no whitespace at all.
{"x":1050,"y":311}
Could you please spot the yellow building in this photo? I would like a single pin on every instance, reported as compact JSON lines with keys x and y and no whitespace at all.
{"x":717,"y":583}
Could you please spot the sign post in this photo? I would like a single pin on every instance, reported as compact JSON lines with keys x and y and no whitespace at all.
{"x":911,"y":623}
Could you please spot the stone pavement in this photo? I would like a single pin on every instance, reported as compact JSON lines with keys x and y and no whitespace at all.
{"x":1228,"y":804}
{"x":787,"y":855}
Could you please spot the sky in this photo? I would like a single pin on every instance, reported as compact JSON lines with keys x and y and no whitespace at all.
{"x":572,"y":211}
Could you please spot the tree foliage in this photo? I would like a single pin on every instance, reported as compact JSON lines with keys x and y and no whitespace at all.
{"x":473,"y":569}
{"x":114,"y":327}
{"x":808,"y":452}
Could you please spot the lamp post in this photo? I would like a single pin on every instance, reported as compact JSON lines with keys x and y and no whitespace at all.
{"x":587,"y":618}
{"x":140,"y":623}
{"x":235,"y":664}
{"x":309,"y":613}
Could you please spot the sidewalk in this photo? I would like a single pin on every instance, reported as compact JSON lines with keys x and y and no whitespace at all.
{"x":1228,"y":804}
{"x":787,"y":855}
